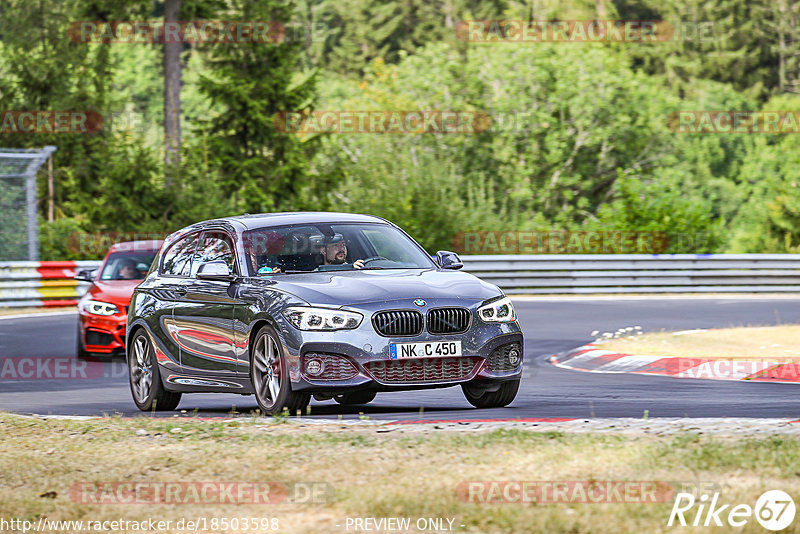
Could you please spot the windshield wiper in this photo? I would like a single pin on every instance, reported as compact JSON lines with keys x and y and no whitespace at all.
{"x":330,"y":271}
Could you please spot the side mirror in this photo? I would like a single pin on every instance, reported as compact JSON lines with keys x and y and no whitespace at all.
{"x":215,"y":270}
{"x":448,"y":260}
{"x":86,"y":275}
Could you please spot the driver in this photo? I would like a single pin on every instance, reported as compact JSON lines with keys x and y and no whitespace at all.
{"x":128,"y":270}
{"x":333,"y":250}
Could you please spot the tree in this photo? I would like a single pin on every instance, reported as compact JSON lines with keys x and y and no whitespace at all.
{"x":172,"y":96}
{"x":42,"y":69}
{"x":769,"y":219}
{"x":263,"y":168}
{"x":347,"y":36}
{"x":729,"y":41}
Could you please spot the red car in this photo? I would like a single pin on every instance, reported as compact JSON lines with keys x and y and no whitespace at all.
{"x":103,"y":310}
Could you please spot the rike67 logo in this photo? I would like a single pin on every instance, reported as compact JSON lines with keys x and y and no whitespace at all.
{"x":774,"y":510}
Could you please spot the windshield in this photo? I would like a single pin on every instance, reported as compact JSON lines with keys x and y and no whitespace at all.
{"x":127,"y":265}
{"x":331,"y":247}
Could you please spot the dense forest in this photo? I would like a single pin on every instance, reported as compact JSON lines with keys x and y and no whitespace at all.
{"x":579,"y":138}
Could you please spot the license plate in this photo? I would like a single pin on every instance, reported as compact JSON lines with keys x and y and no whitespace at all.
{"x":428,"y":349}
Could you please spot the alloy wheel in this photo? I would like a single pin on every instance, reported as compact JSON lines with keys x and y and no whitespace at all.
{"x":267,"y":369}
{"x":142,"y":369}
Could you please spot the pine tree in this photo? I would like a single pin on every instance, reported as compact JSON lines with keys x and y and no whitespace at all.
{"x":264,"y":168}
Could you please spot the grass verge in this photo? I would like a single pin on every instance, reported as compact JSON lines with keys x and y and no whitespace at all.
{"x":749,"y":343}
{"x":372,"y":472}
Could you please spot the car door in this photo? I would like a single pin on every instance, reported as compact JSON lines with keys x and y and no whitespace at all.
{"x":204,"y":314}
{"x":168,"y":289}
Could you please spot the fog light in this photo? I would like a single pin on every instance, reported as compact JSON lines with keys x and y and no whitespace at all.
{"x":314,"y":367}
{"x":513,"y":357}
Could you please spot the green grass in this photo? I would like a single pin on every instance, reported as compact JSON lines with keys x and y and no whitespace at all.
{"x":780,"y":343}
{"x":374,"y":473}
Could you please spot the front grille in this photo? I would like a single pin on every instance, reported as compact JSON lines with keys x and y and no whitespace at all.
{"x":398,"y":323}
{"x":423,"y":370}
{"x":334,"y":367}
{"x":93,"y":337}
{"x":448,"y":320}
{"x":499,"y":358}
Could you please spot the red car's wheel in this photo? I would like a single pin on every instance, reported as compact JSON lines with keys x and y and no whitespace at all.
{"x":80,"y":349}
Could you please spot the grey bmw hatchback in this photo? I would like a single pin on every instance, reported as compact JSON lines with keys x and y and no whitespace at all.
{"x":340,"y":306}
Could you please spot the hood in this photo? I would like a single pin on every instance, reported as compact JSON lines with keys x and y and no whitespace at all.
{"x":359,"y":287}
{"x":113,"y":291}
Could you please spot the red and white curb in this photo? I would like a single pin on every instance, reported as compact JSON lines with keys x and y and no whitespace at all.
{"x":36,"y":284}
{"x":592,"y":359}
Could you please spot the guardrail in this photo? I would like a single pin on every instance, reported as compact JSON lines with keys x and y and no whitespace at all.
{"x":51,"y":283}
{"x":42,"y":283}
{"x":639,"y":273}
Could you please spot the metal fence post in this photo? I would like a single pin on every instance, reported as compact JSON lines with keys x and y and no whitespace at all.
{"x":24,"y":164}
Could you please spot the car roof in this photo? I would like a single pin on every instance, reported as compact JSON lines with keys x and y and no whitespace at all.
{"x":301,"y":217}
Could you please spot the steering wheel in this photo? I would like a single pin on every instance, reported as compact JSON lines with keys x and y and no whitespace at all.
{"x":373,"y":258}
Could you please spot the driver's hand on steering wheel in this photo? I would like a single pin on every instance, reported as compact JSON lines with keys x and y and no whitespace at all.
{"x":358,"y":264}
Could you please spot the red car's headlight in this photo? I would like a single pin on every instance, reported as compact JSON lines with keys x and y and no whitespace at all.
{"x":95,"y":307}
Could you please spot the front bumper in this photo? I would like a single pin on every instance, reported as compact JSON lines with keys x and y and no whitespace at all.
{"x":364,"y":355}
{"x":103,"y":334}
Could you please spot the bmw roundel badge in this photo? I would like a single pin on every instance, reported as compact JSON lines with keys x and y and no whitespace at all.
{"x":419,"y":302}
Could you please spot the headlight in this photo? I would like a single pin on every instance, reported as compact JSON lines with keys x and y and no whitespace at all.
{"x":305,"y":318}
{"x":499,"y":311}
{"x":95,"y":307}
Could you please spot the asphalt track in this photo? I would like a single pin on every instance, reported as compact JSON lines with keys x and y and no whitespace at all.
{"x":550,"y":326}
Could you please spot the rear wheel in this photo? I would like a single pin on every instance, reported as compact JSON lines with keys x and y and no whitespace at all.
{"x":481,"y":398}
{"x":356,"y":397}
{"x":270,"y":376}
{"x":146,"y":387}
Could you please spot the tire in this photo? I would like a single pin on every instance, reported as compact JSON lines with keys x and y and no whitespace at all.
{"x":269,"y":375}
{"x":492,"y":399}
{"x":80,"y":350}
{"x":356,"y":397}
{"x":145,"y":378}
{"x":82,"y":354}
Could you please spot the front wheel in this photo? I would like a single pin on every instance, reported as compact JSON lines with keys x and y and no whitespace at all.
{"x":80,"y":350}
{"x":270,"y":376}
{"x":146,"y":387}
{"x":480,"y":398}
